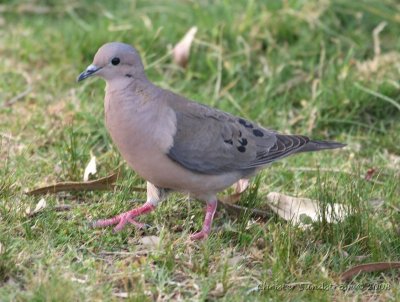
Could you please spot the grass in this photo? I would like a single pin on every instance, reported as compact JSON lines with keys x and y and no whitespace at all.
{"x":245,"y":59}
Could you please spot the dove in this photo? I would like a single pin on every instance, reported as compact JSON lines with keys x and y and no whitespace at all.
{"x":178,"y":145}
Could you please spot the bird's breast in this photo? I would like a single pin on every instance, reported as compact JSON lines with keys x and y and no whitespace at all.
{"x":142,"y":132}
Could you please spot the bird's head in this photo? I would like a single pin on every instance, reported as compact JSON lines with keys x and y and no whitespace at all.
{"x":114,"y":61}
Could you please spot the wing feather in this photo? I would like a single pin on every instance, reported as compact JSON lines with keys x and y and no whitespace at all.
{"x":210,"y":141}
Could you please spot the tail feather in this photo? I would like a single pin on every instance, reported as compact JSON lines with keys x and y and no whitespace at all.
{"x":321,"y":145}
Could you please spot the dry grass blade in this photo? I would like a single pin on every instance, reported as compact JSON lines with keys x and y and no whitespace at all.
{"x":294,"y":82}
{"x":367,"y":268}
{"x":378,"y":95}
{"x":105,"y":183}
{"x":22,"y":94}
{"x":57,"y":208}
{"x":375,"y":37}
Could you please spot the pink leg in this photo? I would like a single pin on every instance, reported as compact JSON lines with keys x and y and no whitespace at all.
{"x":210,"y":211}
{"x":122,"y":219}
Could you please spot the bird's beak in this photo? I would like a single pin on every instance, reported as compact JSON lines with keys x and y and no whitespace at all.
{"x":90,"y":70}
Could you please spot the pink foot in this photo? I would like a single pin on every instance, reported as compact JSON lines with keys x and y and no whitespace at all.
{"x":210,"y":211}
{"x":122,"y":219}
{"x":198,"y":236}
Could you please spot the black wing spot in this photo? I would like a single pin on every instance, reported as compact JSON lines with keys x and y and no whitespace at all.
{"x":241,"y":149}
{"x":245,"y":123}
{"x":129,"y":75}
{"x":243,"y":141}
{"x":229,"y":141}
{"x":258,"y":133}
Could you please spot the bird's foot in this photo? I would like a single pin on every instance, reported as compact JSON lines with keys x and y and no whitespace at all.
{"x":122,"y":219}
{"x":199,"y":235}
{"x":210,"y":211}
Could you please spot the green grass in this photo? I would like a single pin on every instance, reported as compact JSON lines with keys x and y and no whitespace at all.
{"x":244,"y":56}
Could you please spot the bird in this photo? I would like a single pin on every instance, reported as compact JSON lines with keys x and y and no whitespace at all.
{"x":179,"y":145}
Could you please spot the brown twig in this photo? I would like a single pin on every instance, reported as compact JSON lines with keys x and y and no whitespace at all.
{"x":105,"y":183}
{"x":367,"y":268}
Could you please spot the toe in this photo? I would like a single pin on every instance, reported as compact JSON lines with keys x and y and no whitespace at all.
{"x":139,"y":225}
{"x":199,"y":236}
{"x":104,"y":222}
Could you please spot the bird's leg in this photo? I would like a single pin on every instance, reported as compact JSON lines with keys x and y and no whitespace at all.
{"x":205,"y":231}
{"x":154,"y":196}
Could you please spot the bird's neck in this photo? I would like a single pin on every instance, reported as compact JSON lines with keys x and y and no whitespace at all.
{"x":126,"y":93}
{"x":127,"y":82}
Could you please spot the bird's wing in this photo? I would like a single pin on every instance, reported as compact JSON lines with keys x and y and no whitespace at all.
{"x":210,"y":141}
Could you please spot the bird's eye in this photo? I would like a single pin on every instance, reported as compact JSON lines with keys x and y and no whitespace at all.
{"x":115,"y":61}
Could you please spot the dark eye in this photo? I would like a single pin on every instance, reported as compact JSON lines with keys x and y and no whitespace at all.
{"x":115,"y":61}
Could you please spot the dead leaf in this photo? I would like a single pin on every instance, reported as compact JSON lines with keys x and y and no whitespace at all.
{"x":1,"y":248}
{"x":241,"y":185}
{"x":39,"y":207}
{"x":150,"y":241}
{"x":303,"y":211}
{"x":367,"y":268}
{"x":181,"y":50}
{"x":90,"y":169}
{"x":105,"y":183}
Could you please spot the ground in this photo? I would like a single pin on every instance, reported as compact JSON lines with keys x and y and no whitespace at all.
{"x":328,"y":69}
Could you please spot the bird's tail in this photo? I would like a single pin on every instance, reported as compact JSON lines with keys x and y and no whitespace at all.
{"x":321,"y":145}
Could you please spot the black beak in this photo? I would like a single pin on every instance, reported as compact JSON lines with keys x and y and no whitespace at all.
{"x":91,"y":70}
